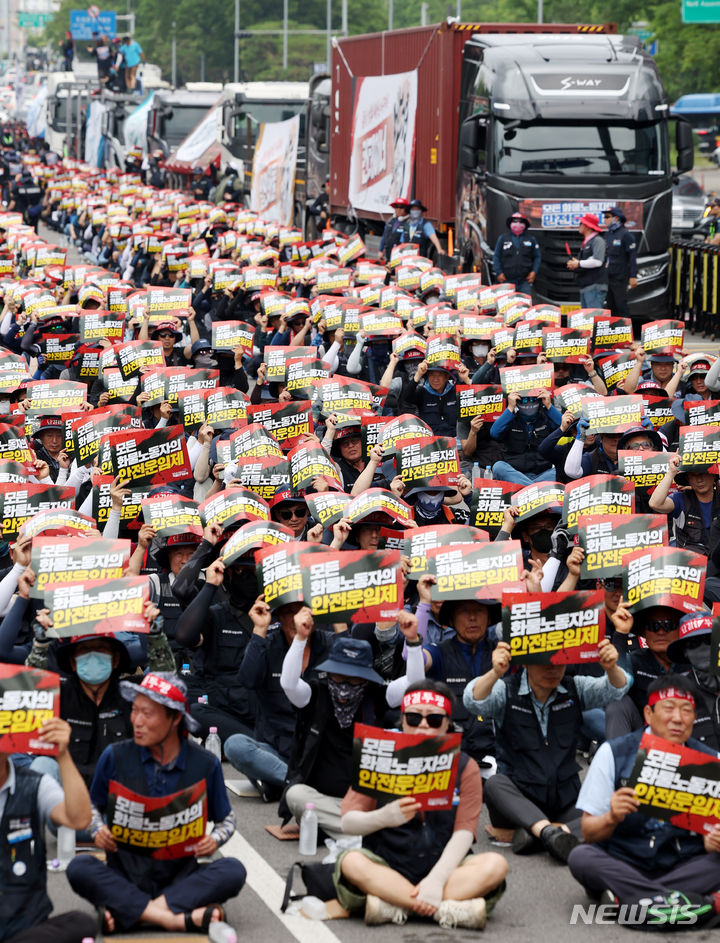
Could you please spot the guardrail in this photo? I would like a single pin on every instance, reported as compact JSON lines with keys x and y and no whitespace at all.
{"x":695,"y":285}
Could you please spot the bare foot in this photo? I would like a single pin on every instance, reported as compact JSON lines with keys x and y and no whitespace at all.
{"x":109,"y":922}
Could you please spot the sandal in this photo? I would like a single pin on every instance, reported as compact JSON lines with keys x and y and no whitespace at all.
{"x":206,"y":918}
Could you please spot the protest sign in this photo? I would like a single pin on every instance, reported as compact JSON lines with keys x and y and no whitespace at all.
{"x":554,"y":628}
{"x":540,"y":498}
{"x":608,"y":541}
{"x":254,"y":535}
{"x":378,"y":503}
{"x":224,"y":406}
{"x":52,"y":397}
{"x":596,"y":494}
{"x":427,"y":463}
{"x":286,"y":422}
{"x":476,"y":571}
{"x":161,"y":827}
{"x":136,"y":356}
{"x":643,"y":469}
{"x":263,"y":475}
{"x":705,"y":412}
{"x":232,"y":506}
{"x":327,"y":507}
{"x":29,"y":697}
{"x":609,"y":333}
{"x":353,"y":585}
{"x":279,"y":571}
{"x":99,"y":607}
{"x":676,"y":784}
{"x":566,"y":345}
{"x":665,"y":337}
{"x":485,"y":400}
{"x":172,"y":515}
{"x":527,"y":379}
{"x":147,"y":456}
{"x":388,"y":765}
{"x":419,"y":540}
{"x":612,"y":415}
{"x":21,"y":502}
{"x":97,"y":325}
{"x":308,"y":461}
{"x":489,"y":500}
{"x":699,"y":448}
{"x":58,"y":561}
{"x":664,"y":576}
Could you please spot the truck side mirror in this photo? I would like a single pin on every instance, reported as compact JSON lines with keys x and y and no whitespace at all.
{"x":473,"y":133}
{"x":685,"y":146}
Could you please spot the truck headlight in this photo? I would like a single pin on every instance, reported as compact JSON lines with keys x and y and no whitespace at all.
{"x":646,"y":272}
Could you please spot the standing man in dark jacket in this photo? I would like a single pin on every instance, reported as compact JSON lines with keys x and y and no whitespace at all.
{"x":590,"y":266}
{"x":393,"y":227}
{"x":622,"y":261}
{"x":631,"y":858}
{"x":517,"y":255}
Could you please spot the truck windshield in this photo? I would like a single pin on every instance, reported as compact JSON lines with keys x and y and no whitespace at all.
{"x":580,"y":149}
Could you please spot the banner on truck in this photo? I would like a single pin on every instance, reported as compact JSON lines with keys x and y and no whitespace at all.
{"x":273,"y":181}
{"x":383,"y":140}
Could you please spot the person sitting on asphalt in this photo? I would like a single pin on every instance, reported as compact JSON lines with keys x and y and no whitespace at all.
{"x":635,"y":859}
{"x":538,"y":719}
{"x":418,"y":862}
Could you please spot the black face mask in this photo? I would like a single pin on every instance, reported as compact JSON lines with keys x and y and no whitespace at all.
{"x":243,"y":589}
{"x":205,"y":361}
{"x":542,"y":541}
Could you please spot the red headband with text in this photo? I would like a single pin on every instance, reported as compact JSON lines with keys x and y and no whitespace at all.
{"x":427,"y":698}
{"x":666,"y":693}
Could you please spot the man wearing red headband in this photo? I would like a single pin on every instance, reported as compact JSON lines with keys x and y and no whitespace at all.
{"x":159,"y":769}
{"x":413,"y":861}
{"x":629,"y":858}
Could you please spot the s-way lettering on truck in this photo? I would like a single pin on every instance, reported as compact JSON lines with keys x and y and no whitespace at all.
{"x":487,"y":119}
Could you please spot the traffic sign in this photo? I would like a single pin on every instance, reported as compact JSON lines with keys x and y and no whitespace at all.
{"x":701,"y":11}
{"x":642,"y":33}
{"x":33,"y":20}
{"x":84,"y":26}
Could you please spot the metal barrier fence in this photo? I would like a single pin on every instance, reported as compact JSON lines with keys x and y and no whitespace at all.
{"x":695,"y":285}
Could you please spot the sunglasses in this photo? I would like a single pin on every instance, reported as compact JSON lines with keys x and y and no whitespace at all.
{"x":287,"y":514}
{"x":165,"y":334}
{"x":433,"y":720}
{"x":662,"y":626}
{"x":611,"y":585}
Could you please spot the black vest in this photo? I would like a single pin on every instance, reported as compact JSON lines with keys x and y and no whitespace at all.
{"x":516,"y":257}
{"x":23,"y":897}
{"x":93,"y":726}
{"x":591,"y":276}
{"x":521,"y":443}
{"x":150,"y":874}
{"x":706,"y":728}
{"x":478,"y":735}
{"x":644,"y":842}
{"x":414,"y":231}
{"x":693,"y":535}
{"x":543,"y":768}
{"x":426,"y":836}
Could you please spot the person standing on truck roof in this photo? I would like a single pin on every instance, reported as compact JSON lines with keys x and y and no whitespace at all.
{"x":622,"y":261}
{"x":517,"y":254}
{"x":132,"y":53}
{"x":103,"y":56}
{"x":67,"y":46}
{"x":591,"y":266}
{"x":393,"y":227}
{"x":416,"y":228}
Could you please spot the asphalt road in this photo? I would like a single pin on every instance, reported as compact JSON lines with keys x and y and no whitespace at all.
{"x":536,"y":907}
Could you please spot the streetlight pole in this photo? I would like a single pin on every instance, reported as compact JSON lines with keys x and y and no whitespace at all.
{"x":236,"y":44}
{"x":285,"y":35}
{"x":540,"y":11}
{"x":328,"y":27}
{"x":173,"y":66}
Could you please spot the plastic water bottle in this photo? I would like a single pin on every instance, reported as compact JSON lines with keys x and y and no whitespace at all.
{"x":213,"y":745}
{"x":185,"y":670}
{"x":475,"y":477}
{"x":308,"y":830}
{"x":488,"y":472}
{"x":220,"y":932}
{"x":65,"y":846}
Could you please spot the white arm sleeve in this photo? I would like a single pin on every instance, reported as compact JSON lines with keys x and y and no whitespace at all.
{"x":573,"y":462}
{"x":112,"y":525}
{"x":414,"y":672}
{"x":353,"y":361}
{"x":298,"y":692}
{"x":8,"y":587}
{"x":550,"y":570}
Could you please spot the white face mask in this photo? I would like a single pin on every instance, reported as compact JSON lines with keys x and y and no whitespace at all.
{"x":415,"y":214}
{"x":480,"y":350}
